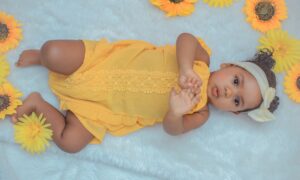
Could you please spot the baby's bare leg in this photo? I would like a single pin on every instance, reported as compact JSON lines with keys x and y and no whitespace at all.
{"x":61,"y":56}
{"x":68,"y":133}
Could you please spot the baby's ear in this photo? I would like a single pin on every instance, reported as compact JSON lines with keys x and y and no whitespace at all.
{"x":224,"y":65}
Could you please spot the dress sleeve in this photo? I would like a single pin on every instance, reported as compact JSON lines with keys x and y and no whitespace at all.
{"x":205,"y":46}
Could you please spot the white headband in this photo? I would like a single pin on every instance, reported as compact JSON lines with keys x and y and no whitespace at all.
{"x":261,"y":114}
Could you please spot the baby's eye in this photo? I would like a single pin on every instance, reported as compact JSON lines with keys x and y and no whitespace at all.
{"x":236,"y":81}
{"x":236,"y":101}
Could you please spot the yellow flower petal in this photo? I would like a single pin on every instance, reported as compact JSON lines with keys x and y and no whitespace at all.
{"x":4,"y":69}
{"x":219,"y":3}
{"x":292,"y":83}
{"x":175,"y":7}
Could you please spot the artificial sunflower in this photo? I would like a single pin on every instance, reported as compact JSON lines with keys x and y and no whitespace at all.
{"x":8,"y":99}
{"x":10,"y":32}
{"x":4,"y":69}
{"x":33,"y":133}
{"x":286,"y":49}
{"x":265,"y":15}
{"x":218,"y":3}
{"x":292,"y":83}
{"x":175,"y":7}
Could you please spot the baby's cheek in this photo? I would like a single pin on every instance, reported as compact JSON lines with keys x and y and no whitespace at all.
{"x":223,"y":105}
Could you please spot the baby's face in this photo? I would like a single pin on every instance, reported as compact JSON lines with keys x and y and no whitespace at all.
{"x":233,"y":89}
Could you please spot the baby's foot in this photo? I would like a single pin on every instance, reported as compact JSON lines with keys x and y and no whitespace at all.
{"x":28,"y":58}
{"x":27,"y":107}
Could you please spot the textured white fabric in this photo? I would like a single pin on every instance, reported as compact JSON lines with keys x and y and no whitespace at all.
{"x":227,"y":147}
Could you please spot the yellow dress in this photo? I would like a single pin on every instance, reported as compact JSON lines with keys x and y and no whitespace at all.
{"x":122,"y":86}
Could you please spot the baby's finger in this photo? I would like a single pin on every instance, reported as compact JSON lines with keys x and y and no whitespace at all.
{"x":186,"y":80}
{"x":193,"y":80}
{"x":199,"y":82}
{"x":184,"y":93}
{"x":197,"y":89}
{"x":196,"y":82}
{"x":14,"y":118}
{"x":196,"y":99}
{"x":173,"y":92}
{"x":190,"y":93}
{"x":184,"y":85}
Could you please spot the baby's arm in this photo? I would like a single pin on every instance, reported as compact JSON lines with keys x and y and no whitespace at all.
{"x":188,"y":49}
{"x":176,"y":120}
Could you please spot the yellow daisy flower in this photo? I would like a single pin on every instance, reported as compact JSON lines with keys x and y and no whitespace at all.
{"x":219,"y":3}
{"x":175,"y":7}
{"x":8,"y":99}
{"x":265,"y":15}
{"x":292,"y":83}
{"x":10,"y":32}
{"x":33,"y":133}
{"x":4,"y":69}
{"x":286,"y":49}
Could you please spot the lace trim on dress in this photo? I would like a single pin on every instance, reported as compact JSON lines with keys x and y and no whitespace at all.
{"x":128,"y":80}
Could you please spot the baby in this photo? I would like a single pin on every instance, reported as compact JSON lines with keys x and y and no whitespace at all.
{"x":123,"y":86}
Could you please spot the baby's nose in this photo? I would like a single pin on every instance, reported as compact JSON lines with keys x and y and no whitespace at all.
{"x":228,"y":92}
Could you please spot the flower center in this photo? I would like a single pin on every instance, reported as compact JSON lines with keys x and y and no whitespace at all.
{"x":35,"y":130}
{"x":4,"y":102}
{"x":282,"y":50}
{"x":298,"y":82}
{"x":176,"y":1}
{"x":264,"y":10}
{"x":3,"y":31}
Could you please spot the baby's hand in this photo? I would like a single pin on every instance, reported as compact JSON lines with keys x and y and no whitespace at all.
{"x":183,"y":102}
{"x":190,"y":79}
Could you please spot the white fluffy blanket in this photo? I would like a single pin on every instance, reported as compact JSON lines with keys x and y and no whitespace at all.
{"x":227,"y":147}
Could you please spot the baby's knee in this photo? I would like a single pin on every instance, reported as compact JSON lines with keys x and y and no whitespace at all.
{"x":69,"y":149}
{"x":35,"y":97}
{"x":50,"y":52}
{"x":69,"y":146}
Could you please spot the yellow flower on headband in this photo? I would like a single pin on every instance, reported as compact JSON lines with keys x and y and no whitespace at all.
{"x":175,"y":7}
{"x":10,"y":32}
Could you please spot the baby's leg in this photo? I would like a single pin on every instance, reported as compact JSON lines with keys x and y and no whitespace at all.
{"x":68,"y":132}
{"x":61,"y":56}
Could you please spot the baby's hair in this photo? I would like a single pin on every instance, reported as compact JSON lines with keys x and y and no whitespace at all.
{"x":265,"y":61}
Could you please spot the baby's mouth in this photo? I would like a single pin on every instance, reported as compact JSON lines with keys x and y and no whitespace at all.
{"x":215,"y":91}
